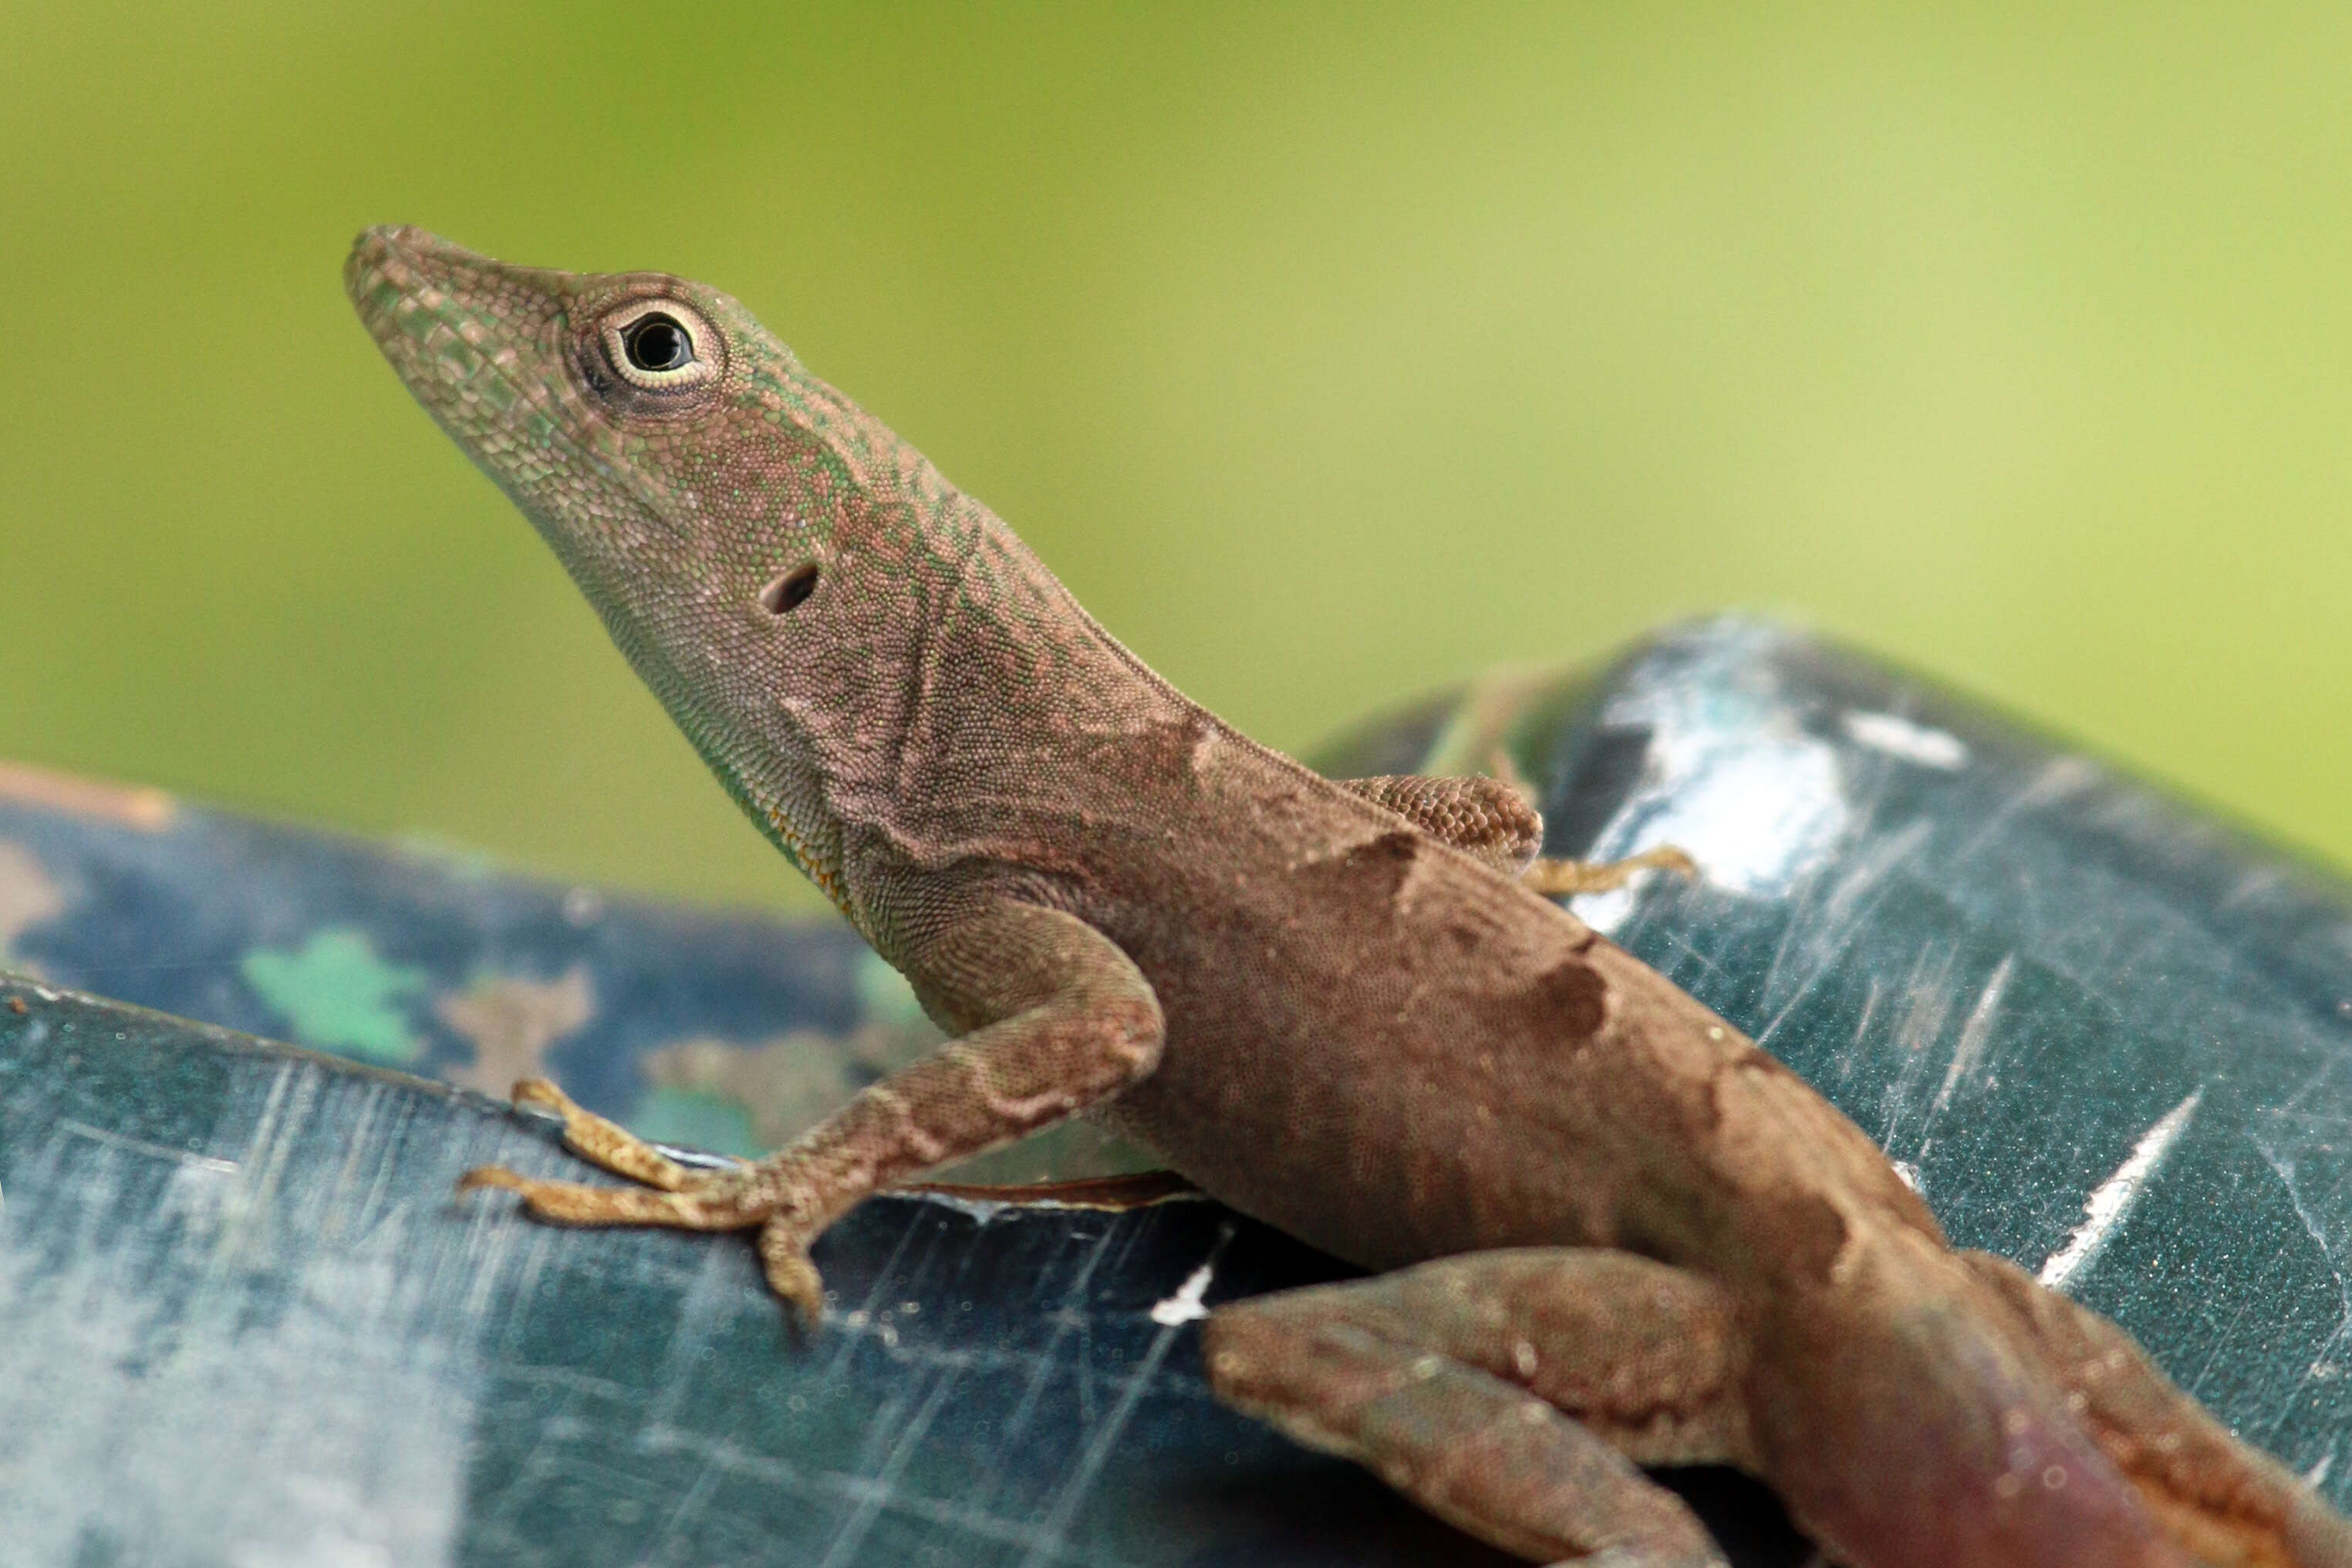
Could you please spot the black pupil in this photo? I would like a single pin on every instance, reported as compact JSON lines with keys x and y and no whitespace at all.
{"x":656,"y":342}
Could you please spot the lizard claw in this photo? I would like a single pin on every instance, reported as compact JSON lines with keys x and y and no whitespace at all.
{"x":544,"y":1092}
{"x":481,"y":1177}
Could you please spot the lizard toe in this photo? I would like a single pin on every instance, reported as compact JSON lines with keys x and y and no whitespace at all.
{"x":792,"y":1273}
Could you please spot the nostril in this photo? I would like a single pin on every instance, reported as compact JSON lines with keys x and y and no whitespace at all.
{"x":787,"y":593}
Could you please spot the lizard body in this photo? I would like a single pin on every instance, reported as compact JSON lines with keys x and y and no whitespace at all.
{"x":1623,"y":1233}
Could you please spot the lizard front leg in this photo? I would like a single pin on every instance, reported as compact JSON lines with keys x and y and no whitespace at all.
{"x":1511,"y":1393}
{"x":1057,"y":1019}
{"x":1490,"y":820}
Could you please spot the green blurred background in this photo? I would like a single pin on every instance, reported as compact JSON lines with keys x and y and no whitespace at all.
{"x":1328,"y":353}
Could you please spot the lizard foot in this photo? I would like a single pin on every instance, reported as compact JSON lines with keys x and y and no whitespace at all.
{"x":717,"y":1200}
{"x":1557,"y":878}
{"x":683,"y":1198}
{"x":1510,"y":1393}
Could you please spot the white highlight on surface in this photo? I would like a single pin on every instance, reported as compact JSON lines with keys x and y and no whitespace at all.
{"x":1899,"y":737}
{"x":308,"y":1406}
{"x":2113,"y":1197}
{"x":1184,"y":1306}
{"x":1731,"y":776}
{"x":982,"y":1210}
{"x":1752,"y":818}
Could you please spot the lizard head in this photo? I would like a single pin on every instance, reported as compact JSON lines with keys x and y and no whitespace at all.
{"x":767,"y":555}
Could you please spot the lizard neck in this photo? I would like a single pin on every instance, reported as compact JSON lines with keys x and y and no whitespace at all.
{"x":961,"y":711}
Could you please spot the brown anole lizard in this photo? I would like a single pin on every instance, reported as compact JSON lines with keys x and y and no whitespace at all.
{"x":1619,"y":1233}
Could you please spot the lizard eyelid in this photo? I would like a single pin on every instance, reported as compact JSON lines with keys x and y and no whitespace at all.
{"x":788,"y":593}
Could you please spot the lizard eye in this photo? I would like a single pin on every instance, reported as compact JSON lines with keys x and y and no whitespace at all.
{"x":656,"y":342}
{"x":661,"y":346}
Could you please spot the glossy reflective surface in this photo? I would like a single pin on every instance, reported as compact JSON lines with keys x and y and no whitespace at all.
{"x":242,"y":1322}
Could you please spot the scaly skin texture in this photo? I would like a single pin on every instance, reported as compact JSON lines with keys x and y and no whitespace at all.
{"x":1625,"y":1234}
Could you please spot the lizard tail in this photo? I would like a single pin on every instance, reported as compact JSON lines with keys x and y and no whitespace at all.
{"x":1899,"y":1412}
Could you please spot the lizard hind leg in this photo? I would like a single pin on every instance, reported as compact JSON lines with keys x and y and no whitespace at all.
{"x":1510,"y":1393}
{"x":2225,"y":1502}
{"x":1909,"y":1420}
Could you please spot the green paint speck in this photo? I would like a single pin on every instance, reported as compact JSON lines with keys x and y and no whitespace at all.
{"x":339,"y":996}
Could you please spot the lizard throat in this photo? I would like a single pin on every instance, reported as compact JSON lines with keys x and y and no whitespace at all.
{"x":827,"y":878}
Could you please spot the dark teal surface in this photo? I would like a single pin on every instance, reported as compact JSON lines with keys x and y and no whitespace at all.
{"x":242,"y":1323}
{"x":2016,"y":971}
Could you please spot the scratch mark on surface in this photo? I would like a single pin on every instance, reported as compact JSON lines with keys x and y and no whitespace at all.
{"x":291,"y":1397}
{"x":838,"y":1366}
{"x":141,"y":1146}
{"x":777,"y":1474}
{"x":362,"y":1143}
{"x":1068,"y":1319}
{"x":2315,"y":1475}
{"x":884,"y":1486}
{"x":2254,"y":886}
{"x":1849,"y":1055}
{"x":1844,"y":913}
{"x":689,"y":1507}
{"x":1927,"y":994}
{"x":2322,"y":1369}
{"x":2315,"y":1224}
{"x":1855,"y":895}
{"x":1682,"y":947}
{"x":1081,"y":1477}
{"x":1184,"y":1306}
{"x":2059,"y":778}
{"x":1968,"y":1054}
{"x":712,"y":1290}
{"x":2112,"y":1198}
{"x":2216,"y":1337}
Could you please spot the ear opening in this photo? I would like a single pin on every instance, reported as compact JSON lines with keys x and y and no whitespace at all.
{"x":788,"y":593}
